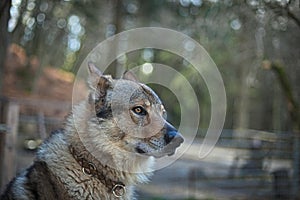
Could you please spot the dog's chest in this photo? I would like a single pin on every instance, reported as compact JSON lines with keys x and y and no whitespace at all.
{"x":82,"y":186}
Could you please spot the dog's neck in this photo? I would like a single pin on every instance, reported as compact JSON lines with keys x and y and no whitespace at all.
{"x":93,"y":167}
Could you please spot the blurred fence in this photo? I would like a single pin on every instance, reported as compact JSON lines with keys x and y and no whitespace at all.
{"x":263,"y":164}
{"x":24,"y":124}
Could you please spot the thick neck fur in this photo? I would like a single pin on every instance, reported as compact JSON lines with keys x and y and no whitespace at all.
{"x":129,"y":168}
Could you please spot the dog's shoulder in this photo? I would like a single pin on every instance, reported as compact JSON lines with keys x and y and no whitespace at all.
{"x":47,"y":184}
{"x":36,"y":182}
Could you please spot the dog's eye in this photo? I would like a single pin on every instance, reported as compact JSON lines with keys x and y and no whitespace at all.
{"x":139,"y":110}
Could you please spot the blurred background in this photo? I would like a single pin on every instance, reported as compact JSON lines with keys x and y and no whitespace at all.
{"x":254,"y":43}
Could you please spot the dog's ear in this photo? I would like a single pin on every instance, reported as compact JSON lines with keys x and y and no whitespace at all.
{"x":94,"y":75}
{"x":97,"y":81}
{"x":129,"y":75}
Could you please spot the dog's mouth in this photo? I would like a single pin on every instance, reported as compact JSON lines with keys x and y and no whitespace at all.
{"x":157,"y":150}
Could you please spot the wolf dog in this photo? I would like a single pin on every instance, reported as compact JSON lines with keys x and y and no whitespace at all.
{"x":108,"y":145}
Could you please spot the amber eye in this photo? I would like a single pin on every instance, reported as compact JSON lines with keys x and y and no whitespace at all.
{"x":139,"y":110}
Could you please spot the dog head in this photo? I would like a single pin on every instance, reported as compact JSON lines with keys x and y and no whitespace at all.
{"x":130,"y":116}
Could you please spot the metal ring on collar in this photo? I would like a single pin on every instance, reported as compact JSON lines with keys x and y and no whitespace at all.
{"x":88,"y":171}
{"x":119,"y":190}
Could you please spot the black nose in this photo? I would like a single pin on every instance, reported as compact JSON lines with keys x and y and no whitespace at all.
{"x":171,"y":133}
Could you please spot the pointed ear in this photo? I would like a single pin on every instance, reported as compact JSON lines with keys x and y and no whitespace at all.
{"x":129,"y":75}
{"x":97,"y":81}
{"x":94,"y":75}
{"x":93,"y":69}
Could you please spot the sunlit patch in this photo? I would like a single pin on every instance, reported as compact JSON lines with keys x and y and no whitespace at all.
{"x":235,"y":24}
{"x":147,"y":68}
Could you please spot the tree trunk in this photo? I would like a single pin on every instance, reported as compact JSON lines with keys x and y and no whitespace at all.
{"x":4,"y":36}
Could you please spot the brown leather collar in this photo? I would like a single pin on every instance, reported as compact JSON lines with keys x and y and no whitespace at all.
{"x":91,"y":166}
